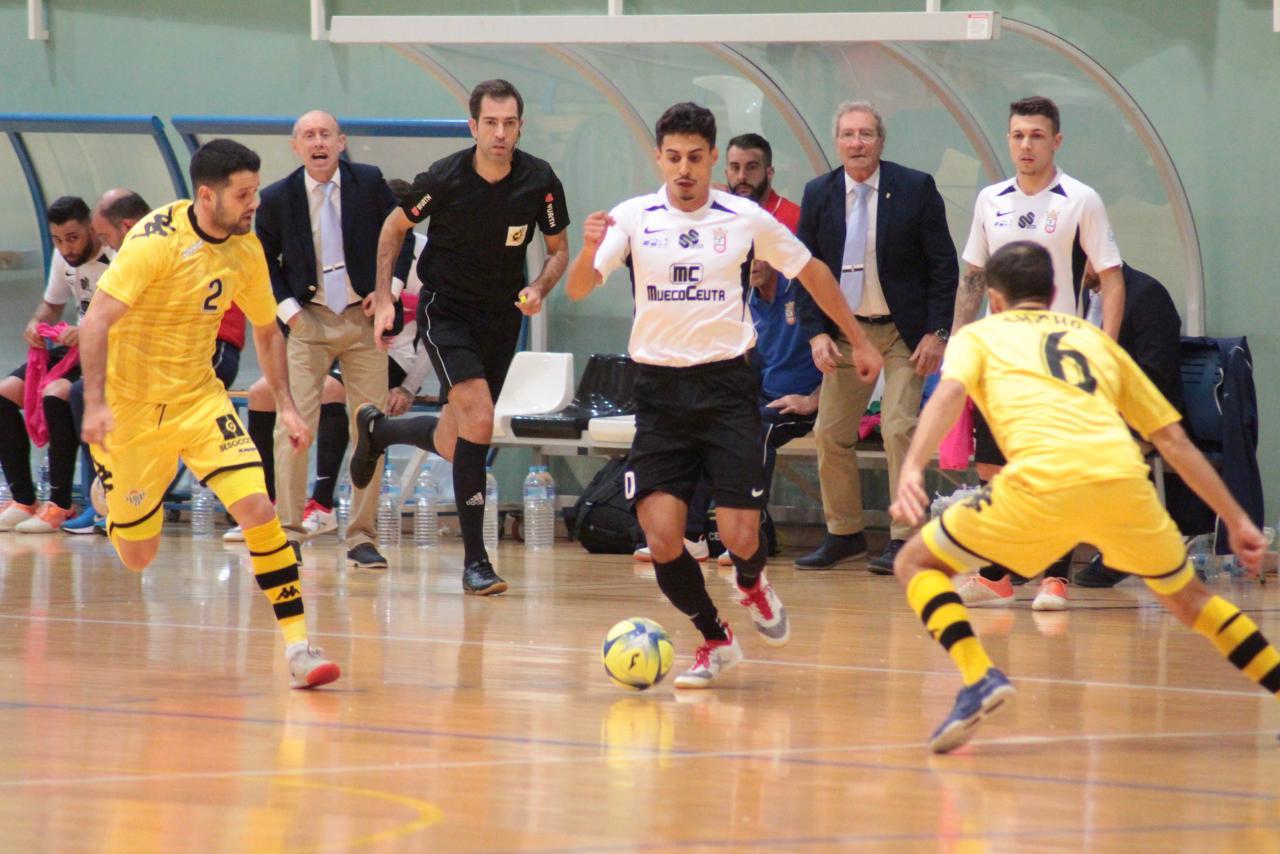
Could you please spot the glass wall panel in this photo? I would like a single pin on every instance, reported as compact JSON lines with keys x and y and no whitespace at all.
{"x":22,"y":271}
{"x":87,"y":164}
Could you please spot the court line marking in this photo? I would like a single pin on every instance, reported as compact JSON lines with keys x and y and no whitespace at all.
{"x":790,"y":755}
{"x":427,"y":814}
{"x":1257,"y":694}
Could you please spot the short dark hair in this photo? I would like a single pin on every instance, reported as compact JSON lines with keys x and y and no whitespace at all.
{"x":687,"y":118}
{"x":755,"y":142}
{"x":1037,"y":105}
{"x":1021,"y":270}
{"x":497,"y":89}
{"x":65,"y":209}
{"x":129,"y":206}
{"x":400,"y":188}
{"x":217,"y":160}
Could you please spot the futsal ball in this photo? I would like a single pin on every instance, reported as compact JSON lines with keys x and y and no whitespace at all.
{"x":637,"y":653}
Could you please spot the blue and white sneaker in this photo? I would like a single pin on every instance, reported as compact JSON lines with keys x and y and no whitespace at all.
{"x":82,"y":524}
{"x":972,"y":705}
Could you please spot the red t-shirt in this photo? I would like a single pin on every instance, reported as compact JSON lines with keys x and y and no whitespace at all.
{"x":784,"y":211}
{"x":232,"y":328}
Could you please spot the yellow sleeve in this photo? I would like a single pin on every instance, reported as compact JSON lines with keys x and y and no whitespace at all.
{"x":140,"y":261}
{"x":255,"y":297}
{"x":963,"y":360}
{"x":1140,"y":403}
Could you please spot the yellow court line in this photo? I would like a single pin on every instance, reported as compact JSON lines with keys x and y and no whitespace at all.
{"x":428,"y":813}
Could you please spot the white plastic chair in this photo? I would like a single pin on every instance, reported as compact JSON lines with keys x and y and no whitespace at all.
{"x":537,"y":383}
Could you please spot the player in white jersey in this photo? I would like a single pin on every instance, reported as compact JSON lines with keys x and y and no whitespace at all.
{"x":689,"y":251}
{"x":1044,"y":205}
{"x":78,"y":263}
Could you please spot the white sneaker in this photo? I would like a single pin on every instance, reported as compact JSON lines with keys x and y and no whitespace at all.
{"x":725,"y":559}
{"x":233,"y":535}
{"x":12,"y":513}
{"x":767,"y":612}
{"x":308,"y":668}
{"x":318,"y":519}
{"x":699,"y":550}
{"x":978,"y":592}
{"x":711,"y":659}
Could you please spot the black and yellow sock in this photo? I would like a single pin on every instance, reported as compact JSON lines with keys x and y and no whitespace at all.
{"x":932,"y":596}
{"x":276,"y":570}
{"x":1237,"y":637}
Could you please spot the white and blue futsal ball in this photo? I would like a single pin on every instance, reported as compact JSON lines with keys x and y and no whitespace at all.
{"x":637,"y":653}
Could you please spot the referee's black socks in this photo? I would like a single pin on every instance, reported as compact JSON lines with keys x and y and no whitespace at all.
{"x":468,"y":491}
{"x":681,"y":582}
{"x":416,"y":430}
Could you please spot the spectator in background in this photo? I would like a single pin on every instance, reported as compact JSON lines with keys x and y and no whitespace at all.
{"x":78,"y":263}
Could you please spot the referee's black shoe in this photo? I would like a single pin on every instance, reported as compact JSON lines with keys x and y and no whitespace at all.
{"x":364,"y":458}
{"x":479,"y":579}
{"x":366,"y":556}
{"x":835,"y":549}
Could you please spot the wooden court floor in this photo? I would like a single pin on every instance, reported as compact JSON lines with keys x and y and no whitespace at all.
{"x":151,"y":713}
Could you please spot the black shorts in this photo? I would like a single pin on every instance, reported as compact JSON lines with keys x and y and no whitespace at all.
{"x":985,"y":449}
{"x":395,"y":374}
{"x":466,"y":343}
{"x":226,"y":363}
{"x":55,"y":356}
{"x":691,"y":421}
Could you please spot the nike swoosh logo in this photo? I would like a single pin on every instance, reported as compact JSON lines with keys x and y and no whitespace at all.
{"x":648,"y":230}
{"x":756,"y":493}
{"x":1004,"y":213}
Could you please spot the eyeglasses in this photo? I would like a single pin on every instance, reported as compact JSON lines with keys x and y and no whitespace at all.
{"x":862,"y":135}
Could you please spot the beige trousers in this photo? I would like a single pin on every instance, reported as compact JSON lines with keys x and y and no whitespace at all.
{"x":840,"y":409}
{"x":319,"y":337}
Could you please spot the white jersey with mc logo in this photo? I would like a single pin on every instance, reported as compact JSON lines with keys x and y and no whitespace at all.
{"x":690,"y":273}
{"x":1067,"y":218}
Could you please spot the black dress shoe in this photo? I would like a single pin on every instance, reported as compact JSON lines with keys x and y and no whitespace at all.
{"x":1098,"y":574}
{"x":882,"y":564}
{"x":364,"y":457}
{"x":478,"y":578}
{"x":835,"y":549}
{"x":365,"y":556}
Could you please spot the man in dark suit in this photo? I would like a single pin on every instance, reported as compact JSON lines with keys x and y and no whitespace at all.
{"x":319,"y":228}
{"x":1150,"y":332}
{"x":882,"y":230}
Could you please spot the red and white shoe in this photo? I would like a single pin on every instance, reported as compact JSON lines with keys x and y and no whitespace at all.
{"x":711,"y":659}
{"x":308,"y":668}
{"x":1052,"y":595}
{"x":978,"y":592}
{"x":767,"y":612}
{"x":318,"y":519}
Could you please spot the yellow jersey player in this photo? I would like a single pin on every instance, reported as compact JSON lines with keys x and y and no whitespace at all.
{"x":1043,"y":380}
{"x":151,"y":397}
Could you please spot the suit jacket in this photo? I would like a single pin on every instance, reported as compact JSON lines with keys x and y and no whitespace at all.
{"x":1151,"y":332}
{"x":914,"y":253}
{"x":284,"y":226}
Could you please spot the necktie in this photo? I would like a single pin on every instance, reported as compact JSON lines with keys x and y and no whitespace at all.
{"x":855,"y":247}
{"x":335,"y":267}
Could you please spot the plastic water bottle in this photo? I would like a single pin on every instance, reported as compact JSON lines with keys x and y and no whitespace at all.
{"x":426,"y":522}
{"x":342,"y":510}
{"x":1200,"y":552}
{"x":201,"y":510}
{"x":42,"y":478}
{"x":549,"y":505}
{"x":389,"y":510}
{"x":539,"y":509}
{"x":490,"y":510}
{"x":5,"y":494}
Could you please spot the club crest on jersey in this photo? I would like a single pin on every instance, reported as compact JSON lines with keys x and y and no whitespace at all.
{"x":719,"y":240}
{"x":136,"y":497}
{"x":1050,"y":222}
{"x":515,"y":235}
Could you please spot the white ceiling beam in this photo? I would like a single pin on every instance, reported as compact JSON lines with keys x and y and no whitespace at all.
{"x":665,"y":29}
{"x":37,"y":21}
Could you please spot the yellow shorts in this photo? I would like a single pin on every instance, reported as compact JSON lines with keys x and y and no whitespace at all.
{"x":1026,"y":531}
{"x":142,"y":453}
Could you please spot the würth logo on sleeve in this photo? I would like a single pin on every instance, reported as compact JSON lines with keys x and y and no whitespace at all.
{"x":551,"y":210}
{"x":417,"y":209}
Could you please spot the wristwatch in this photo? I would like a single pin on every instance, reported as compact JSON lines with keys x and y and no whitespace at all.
{"x":943,"y":334}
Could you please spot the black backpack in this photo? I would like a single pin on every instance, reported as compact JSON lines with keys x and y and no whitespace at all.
{"x":602,"y":519}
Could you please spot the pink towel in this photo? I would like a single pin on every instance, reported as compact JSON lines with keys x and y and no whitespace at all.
{"x":410,"y":303}
{"x":868,"y":425}
{"x":39,"y":375}
{"x":957,"y":445}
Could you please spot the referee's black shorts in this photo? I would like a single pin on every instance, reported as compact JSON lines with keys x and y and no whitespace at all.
{"x":467,"y":343}
{"x":704,"y":418}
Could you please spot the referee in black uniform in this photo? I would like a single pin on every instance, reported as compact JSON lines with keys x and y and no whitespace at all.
{"x":484,"y":203}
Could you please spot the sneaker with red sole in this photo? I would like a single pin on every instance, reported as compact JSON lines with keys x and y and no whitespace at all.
{"x":318,"y":519}
{"x":767,"y":612}
{"x":308,"y":668}
{"x":978,"y":592}
{"x":1052,"y":595}
{"x":713,"y":658}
